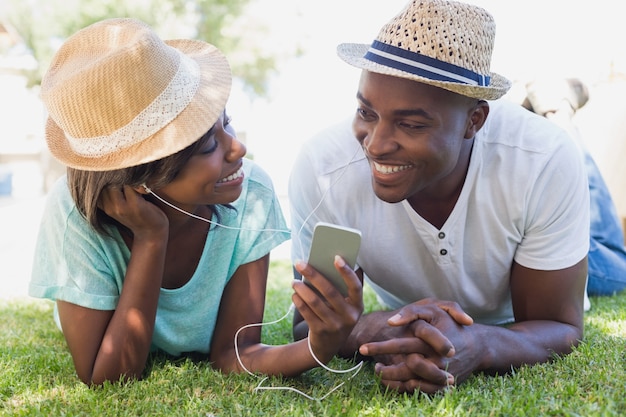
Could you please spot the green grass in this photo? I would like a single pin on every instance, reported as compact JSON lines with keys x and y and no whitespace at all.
{"x":37,"y":377}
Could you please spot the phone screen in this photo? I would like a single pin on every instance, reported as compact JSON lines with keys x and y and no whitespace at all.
{"x":328,"y":241}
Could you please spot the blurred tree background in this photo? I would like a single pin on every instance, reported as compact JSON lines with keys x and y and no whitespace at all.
{"x":44,"y":24}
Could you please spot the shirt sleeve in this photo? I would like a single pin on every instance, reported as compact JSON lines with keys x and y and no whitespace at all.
{"x":72,"y":262}
{"x":558,"y":213}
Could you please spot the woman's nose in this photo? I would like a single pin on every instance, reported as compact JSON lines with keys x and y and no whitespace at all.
{"x":237,"y":149}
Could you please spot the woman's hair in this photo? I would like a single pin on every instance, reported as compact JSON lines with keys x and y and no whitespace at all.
{"x":86,"y":186}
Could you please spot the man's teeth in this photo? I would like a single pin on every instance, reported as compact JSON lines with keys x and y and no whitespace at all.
{"x":232,"y":176}
{"x":389,"y":169}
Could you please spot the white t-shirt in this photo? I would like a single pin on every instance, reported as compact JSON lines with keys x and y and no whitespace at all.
{"x":525,"y":199}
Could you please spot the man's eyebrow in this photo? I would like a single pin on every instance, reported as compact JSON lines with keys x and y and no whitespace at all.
{"x":413,"y":112}
{"x":362,"y":99}
{"x":400,"y":112}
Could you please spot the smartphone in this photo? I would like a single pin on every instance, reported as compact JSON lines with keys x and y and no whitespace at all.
{"x":330,"y":240}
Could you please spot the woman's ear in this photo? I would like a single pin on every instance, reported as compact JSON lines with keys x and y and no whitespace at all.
{"x":477,"y":117}
{"x":143,"y":189}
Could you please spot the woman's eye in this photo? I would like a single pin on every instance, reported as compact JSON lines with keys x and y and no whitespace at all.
{"x":228,"y":127}
{"x":210,"y":146}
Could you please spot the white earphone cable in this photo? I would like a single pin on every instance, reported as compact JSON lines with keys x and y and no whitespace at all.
{"x":356,"y":369}
{"x":207,"y":220}
{"x":345,"y":168}
{"x":259,"y":387}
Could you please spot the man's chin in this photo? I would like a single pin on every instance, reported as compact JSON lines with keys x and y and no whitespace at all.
{"x":387,"y":197}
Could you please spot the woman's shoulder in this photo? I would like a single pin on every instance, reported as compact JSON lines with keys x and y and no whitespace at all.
{"x":62,"y":214}
{"x":59,"y":197}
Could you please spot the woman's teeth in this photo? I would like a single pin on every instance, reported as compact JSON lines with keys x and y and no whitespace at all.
{"x":389,"y":169}
{"x":232,"y":176}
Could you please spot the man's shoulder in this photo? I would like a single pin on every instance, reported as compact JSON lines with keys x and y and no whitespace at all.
{"x":514,"y":127}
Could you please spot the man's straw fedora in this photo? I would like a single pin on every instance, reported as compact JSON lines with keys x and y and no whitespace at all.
{"x":447,"y":44}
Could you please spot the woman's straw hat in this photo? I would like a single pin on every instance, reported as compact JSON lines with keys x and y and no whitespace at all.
{"x":442,"y":43}
{"x":118,"y":96}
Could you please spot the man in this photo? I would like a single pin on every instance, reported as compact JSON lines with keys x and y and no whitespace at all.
{"x":474,"y":212}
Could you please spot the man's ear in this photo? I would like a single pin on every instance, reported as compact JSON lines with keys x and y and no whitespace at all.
{"x":476,"y":120}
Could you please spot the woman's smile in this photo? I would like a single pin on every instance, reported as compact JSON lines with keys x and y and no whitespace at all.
{"x":238,"y":175}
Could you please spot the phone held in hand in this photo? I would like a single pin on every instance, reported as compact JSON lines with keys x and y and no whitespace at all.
{"x":330,"y":240}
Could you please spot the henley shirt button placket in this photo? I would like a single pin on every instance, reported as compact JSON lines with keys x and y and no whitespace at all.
{"x":442,"y":235}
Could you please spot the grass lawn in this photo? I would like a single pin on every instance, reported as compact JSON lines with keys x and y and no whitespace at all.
{"x":37,"y":377}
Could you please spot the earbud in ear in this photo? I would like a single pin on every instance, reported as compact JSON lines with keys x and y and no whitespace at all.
{"x":145,"y":187}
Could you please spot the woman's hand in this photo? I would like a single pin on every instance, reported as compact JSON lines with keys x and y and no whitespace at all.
{"x":330,"y":316}
{"x":107,"y":345}
{"x":128,"y":207}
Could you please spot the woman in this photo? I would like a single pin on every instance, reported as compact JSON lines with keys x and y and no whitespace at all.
{"x":159,"y":237}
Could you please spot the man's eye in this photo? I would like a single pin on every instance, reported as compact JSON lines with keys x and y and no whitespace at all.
{"x":410,"y":125}
{"x":363,"y":113}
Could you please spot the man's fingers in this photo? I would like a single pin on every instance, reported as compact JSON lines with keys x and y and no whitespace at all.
{"x":394,"y":346}
{"x":414,"y":385}
{"x":402,"y":379}
{"x":456,"y":312}
{"x":411,"y":313}
{"x":433,"y":337}
{"x":424,"y":311}
{"x":415,"y":367}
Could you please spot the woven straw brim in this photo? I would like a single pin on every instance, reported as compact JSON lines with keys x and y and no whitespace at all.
{"x":188,"y":126}
{"x":354,"y":54}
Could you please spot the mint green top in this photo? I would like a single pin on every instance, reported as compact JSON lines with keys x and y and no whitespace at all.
{"x":73,"y":263}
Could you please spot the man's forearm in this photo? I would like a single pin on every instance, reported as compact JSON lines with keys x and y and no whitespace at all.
{"x":524,"y":343}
